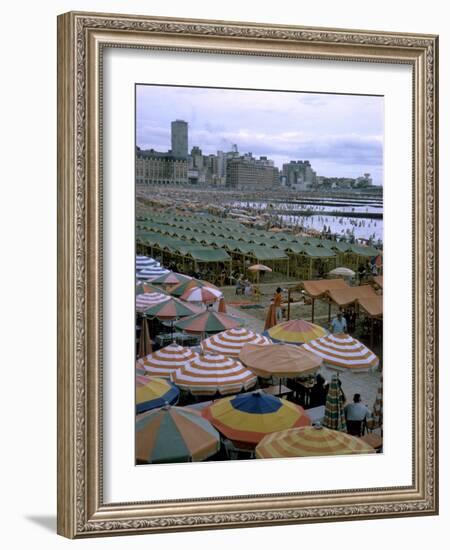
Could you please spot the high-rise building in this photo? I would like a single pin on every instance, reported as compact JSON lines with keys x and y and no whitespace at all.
{"x":248,"y":171}
{"x":179,"y":139}
{"x":299,"y":174}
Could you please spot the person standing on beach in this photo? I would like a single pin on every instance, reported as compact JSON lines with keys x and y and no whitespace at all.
{"x":339,"y":324}
{"x":277,"y":300}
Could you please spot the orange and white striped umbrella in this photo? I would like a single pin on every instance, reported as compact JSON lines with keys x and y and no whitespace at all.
{"x":342,"y":352}
{"x":310,"y":441}
{"x":167,"y":360}
{"x":149,"y":299}
{"x":210,"y":374}
{"x":230,"y":342}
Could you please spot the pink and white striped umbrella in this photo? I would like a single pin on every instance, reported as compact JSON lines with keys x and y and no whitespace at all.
{"x":230,"y":342}
{"x":148,"y":299}
{"x":203,"y":294}
{"x":167,"y":360}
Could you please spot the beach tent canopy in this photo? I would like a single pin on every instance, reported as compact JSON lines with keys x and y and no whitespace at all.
{"x":372,"y":306}
{"x":367,"y":251}
{"x":347,"y":296}
{"x":209,"y":255}
{"x":317,"y":289}
{"x":279,"y":360}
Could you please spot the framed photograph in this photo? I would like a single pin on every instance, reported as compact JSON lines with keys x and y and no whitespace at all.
{"x":247,"y":285}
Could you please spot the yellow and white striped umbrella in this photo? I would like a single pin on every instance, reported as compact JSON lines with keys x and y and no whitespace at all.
{"x":210,"y":374}
{"x":167,"y":360}
{"x":230,"y":342}
{"x":342,"y":352}
{"x":310,"y":441}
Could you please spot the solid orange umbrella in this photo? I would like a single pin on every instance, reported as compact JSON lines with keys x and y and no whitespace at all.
{"x":279,"y":360}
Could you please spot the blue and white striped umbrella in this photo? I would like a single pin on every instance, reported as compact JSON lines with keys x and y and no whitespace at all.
{"x":151,"y":273}
{"x":142,"y":262}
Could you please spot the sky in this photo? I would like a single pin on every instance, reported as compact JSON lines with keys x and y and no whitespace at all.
{"x":341,"y":135}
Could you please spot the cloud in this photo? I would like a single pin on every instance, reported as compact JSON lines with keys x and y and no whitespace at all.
{"x":339,"y":134}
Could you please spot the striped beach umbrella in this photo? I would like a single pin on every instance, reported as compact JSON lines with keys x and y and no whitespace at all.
{"x":145,"y":288}
{"x":174,"y":434}
{"x":142,"y":262}
{"x":167,"y":360}
{"x":149,"y":299}
{"x":334,"y":417}
{"x":296,"y":331}
{"x":203,"y":294}
{"x":171,"y":278}
{"x":230,"y":342}
{"x":171,"y":308}
{"x":246,"y":419}
{"x":208,"y":322}
{"x":343,"y":352}
{"x":310,"y":441}
{"x":282,"y":360}
{"x":152,"y":272}
{"x":211,"y":374}
{"x":377,"y":412}
{"x":181,"y":288}
{"x":154,"y":392}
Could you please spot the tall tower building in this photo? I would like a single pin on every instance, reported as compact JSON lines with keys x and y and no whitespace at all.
{"x":180,"y":139}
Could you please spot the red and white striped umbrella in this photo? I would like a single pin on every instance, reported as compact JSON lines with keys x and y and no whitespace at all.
{"x":167,"y":360}
{"x":203,"y":294}
{"x":342,"y":352}
{"x":210,"y":374}
{"x":149,"y":299}
{"x":230,"y":342}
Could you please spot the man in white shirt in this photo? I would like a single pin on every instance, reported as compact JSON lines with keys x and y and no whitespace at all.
{"x":339,"y":324}
{"x":355,"y":415}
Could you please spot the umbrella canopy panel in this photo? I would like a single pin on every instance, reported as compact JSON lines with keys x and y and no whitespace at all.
{"x":246,"y":419}
{"x":279,"y":360}
{"x":211,"y":374}
{"x":167,"y":360}
{"x":174,"y":434}
{"x":310,"y":441}
{"x":208,"y":322}
{"x":149,"y":299}
{"x":296,"y":331}
{"x":203,"y":294}
{"x":171,"y":308}
{"x":230,"y":342}
{"x":152,"y":393}
{"x":343,"y":352}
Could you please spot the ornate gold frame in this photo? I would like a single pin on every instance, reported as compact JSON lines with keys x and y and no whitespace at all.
{"x":81,"y":37}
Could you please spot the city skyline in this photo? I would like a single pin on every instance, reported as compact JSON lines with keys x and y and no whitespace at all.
{"x":341,"y":135}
